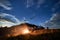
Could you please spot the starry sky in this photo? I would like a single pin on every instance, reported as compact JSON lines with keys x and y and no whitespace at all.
{"x":39,"y":12}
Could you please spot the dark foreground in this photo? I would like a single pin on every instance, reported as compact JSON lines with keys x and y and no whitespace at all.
{"x":44,"y":36}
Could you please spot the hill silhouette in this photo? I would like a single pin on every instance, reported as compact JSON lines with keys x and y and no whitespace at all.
{"x":36,"y":33}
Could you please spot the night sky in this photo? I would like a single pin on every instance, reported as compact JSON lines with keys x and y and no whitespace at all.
{"x":39,"y":11}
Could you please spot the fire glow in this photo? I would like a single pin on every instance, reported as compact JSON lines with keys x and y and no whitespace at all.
{"x":25,"y":31}
{"x":16,"y":31}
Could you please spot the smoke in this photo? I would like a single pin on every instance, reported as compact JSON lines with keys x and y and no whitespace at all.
{"x":5,"y":4}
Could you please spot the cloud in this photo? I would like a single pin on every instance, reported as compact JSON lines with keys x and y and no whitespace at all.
{"x":54,"y":21}
{"x":5,"y":4}
{"x":8,"y":19}
{"x":24,"y":20}
{"x":40,"y":2}
{"x":5,"y":23}
{"x":56,"y":6}
{"x":30,"y":3}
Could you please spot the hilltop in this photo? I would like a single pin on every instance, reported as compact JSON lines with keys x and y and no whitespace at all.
{"x":18,"y":33}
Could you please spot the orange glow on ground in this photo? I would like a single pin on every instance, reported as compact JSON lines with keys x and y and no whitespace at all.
{"x":26,"y":31}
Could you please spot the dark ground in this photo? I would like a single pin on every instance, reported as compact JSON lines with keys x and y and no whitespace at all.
{"x":47,"y":36}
